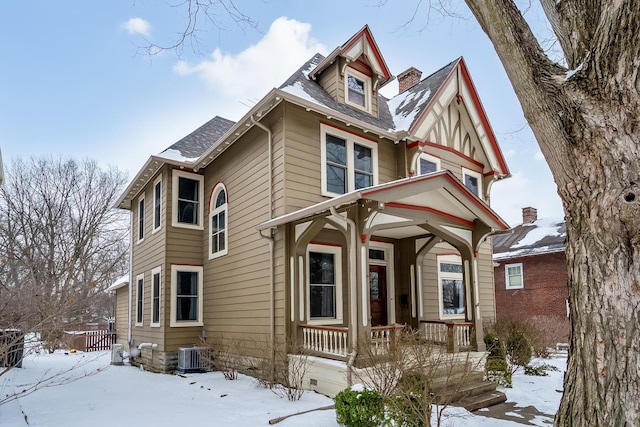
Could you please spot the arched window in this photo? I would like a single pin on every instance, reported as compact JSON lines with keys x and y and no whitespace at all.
{"x":218,"y":222}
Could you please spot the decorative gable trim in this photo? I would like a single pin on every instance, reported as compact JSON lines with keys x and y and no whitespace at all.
{"x":465,"y":90}
{"x":361,"y":44}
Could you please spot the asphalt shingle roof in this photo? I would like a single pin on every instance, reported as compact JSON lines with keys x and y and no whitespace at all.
{"x":543,"y":235}
{"x":197,"y":142}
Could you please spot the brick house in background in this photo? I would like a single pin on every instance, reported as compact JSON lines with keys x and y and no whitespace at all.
{"x":530,"y":274}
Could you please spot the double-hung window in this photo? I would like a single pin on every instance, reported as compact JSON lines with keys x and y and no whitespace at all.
{"x":358,"y":89}
{"x":157,"y":204}
{"x":349,"y":162}
{"x":186,"y":295}
{"x":155,"y":296}
{"x":187,"y":200}
{"x":139,"y":298}
{"x":513,"y":276}
{"x":427,"y":164}
{"x":141,"y":218}
{"x":218,"y":222}
{"x":451,"y":286}
{"x":325,"y":284}
{"x":473,"y":181}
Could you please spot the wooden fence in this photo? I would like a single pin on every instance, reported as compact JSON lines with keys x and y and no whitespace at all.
{"x":90,"y":340}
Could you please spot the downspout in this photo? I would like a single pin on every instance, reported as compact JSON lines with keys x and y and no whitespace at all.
{"x":353,"y":278}
{"x":130,"y":278}
{"x":272,"y":324}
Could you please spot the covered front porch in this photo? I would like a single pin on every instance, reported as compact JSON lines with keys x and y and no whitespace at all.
{"x":365,"y":265}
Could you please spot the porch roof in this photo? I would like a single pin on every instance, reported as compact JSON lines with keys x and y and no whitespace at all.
{"x":439,"y":194}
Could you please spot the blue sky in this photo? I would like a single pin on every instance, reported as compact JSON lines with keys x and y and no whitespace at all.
{"x":73,"y":82}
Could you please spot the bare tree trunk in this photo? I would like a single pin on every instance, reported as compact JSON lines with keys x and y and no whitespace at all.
{"x":586,"y":122}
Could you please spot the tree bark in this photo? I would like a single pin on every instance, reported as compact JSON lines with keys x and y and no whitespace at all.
{"x":587,"y":124}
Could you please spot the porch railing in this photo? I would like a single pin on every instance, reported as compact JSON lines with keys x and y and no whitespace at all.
{"x":325,"y":339}
{"x":455,"y":336}
{"x":381,"y":336}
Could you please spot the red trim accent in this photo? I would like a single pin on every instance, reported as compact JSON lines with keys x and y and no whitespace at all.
{"x":346,"y":131}
{"x":367,"y":71}
{"x":433,"y":99}
{"x":187,"y":265}
{"x":363,"y":237}
{"x":335,"y":245}
{"x":446,"y":148}
{"x":483,"y":117}
{"x":449,"y":254}
{"x":455,"y":182}
{"x":430,"y":210}
{"x":475,"y":254}
{"x":491,"y":173}
{"x":367,"y":34}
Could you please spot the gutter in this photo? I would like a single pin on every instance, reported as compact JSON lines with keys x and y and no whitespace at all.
{"x":272,"y":311}
{"x":130,"y":277}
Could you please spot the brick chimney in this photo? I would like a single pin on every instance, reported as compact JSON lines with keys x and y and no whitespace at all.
{"x":529,"y":215}
{"x":408,"y":79}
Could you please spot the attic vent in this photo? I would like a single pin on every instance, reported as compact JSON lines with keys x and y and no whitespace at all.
{"x":193,"y":359}
{"x":409,"y":78}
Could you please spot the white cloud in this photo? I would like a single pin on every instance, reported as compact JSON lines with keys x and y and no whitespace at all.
{"x":539,"y":155}
{"x":253,"y":72}
{"x":138,"y":26}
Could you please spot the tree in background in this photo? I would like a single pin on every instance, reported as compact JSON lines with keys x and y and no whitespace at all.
{"x":61,"y":244}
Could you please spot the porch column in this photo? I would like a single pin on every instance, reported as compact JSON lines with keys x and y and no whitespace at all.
{"x":471,"y":279}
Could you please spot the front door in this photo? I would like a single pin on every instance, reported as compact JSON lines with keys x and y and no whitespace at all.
{"x":378,"y":294}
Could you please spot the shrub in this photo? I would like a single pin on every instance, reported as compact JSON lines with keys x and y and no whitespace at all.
{"x":497,"y":370}
{"x":539,"y":371}
{"x":494,"y":345}
{"x":359,"y":408}
{"x":519,"y":350}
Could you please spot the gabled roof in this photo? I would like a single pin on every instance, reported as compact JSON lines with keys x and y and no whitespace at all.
{"x":197,"y":142}
{"x":535,"y":238}
{"x":397,"y":117}
{"x":360,"y":44}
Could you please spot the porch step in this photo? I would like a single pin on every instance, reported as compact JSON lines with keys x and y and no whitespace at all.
{"x":484,"y":400}
{"x":451,"y":395}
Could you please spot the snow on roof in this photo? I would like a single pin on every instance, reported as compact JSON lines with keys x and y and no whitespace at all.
{"x":123,"y":281}
{"x":297,"y":89}
{"x":404,"y":119}
{"x":546,"y":235}
{"x":540,"y":229}
{"x":173,"y":154}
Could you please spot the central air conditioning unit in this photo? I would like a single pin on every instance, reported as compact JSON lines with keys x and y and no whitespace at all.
{"x":194,"y":359}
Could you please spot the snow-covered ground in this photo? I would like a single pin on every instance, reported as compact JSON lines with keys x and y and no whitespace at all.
{"x":105,"y":395}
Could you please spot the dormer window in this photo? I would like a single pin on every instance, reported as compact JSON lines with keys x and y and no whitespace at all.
{"x":358,"y":90}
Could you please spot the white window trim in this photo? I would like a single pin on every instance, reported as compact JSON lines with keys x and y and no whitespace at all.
{"x":368,"y":93}
{"x":138,"y":277}
{"x":350,"y":140}
{"x":174,"y":202}
{"x":337,"y":252}
{"x":158,"y":271}
{"x":141,"y":220}
{"x":452,"y":259}
{"x":153,"y":219}
{"x":430,"y":158}
{"x":174,"y":294}
{"x":474,"y":174}
{"x":507,"y":282}
{"x":214,"y":211}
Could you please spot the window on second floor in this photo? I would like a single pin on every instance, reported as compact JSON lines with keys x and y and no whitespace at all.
{"x":218,"y":222}
{"x":513,"y":276}
{"x":187,"y":198}
{"x":427,"y":164}
{"x":155,"y":296}
{"x":473,"y":181}
{"x":157,"y":204}
{"x":348,"y":162}
{"x":141,"y":218}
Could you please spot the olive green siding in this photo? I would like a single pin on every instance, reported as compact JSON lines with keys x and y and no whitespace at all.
{"x":122,"y":316}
